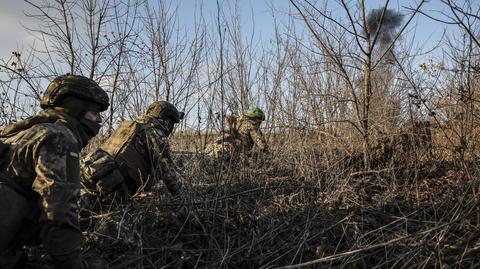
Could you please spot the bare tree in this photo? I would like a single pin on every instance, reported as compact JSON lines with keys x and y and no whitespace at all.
{"x":356,"y":49}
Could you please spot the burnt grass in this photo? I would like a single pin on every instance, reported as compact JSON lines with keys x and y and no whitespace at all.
{"x":274,"y":213}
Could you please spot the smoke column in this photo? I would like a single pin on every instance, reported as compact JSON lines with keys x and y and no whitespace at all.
{"x":391,"y":21}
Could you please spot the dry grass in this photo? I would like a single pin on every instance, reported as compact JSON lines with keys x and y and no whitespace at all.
{"x":298,"y":210}
{"x":304,"y":207}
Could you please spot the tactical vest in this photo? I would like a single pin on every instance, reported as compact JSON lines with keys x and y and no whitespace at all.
{"x":240,"y":122}
{"x":120,"y":147}
{"x":241,"y":133}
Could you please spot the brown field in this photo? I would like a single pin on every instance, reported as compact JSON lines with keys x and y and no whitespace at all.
{"x":305,"y":206}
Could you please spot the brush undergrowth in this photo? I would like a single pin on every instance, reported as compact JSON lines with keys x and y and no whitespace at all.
{"x":302,"y":207}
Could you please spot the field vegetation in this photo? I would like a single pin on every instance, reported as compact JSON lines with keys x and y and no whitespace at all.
{"x":374,"y":138}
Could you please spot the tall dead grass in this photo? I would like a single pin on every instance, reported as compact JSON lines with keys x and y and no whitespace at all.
{"x":308,"y":205}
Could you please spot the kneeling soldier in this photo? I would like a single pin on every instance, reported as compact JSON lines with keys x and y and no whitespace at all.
{"x":40,"y":172}
{"x":137,"y":155}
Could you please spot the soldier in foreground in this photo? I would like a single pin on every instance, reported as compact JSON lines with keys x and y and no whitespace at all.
{"x":137,"y":155}
{"x":40,"y":173}
{"x":242,"y":135}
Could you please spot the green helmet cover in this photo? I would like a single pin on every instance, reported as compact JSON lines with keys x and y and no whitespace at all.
{"x":255,"y":112}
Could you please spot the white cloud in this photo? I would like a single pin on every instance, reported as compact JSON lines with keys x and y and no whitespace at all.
{"x":12,"y":34}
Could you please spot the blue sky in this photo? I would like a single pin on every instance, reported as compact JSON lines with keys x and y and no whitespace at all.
{"x":256,"y":15}
{"x":13,"y":35}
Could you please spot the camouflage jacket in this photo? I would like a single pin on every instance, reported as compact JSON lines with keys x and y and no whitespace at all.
{"x":227,"y":144}
{"x":42,"y":164}
{"x":241,"y":137}
{"x":251,"y":135}
{"x":142,"y":147}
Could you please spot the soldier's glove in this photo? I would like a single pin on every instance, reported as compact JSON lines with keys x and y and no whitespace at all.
{"x":122,"y":192}
{"x":110,"y":182}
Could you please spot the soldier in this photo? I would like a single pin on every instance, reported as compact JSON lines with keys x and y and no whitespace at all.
{"x":137,"y":155}
{"x":227,"y":144}
{"x":40,"y":173}
{"x":243,"y":134}
{"x":248,"y":126}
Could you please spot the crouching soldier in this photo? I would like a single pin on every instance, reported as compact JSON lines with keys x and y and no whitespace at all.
{"x":242,"y":137}
{"x":227,"y":144}
{"x":137,"y":155}
{"x":40,"y":172}
{"x":249,"y":128}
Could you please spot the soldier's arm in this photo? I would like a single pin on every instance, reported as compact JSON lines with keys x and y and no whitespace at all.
{"x":100,"y":172}
{"x":160,"y":155}
{"x":57,"y":184}
{"x":259,"y":139}
{"x":92,"y":168}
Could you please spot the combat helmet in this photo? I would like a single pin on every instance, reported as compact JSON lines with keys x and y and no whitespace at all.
{"x":164,"y":110}
{"x":75,"y":86}
{"x":255,"y":112}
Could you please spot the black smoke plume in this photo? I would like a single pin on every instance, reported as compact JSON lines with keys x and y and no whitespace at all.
{"x":391,"y":21}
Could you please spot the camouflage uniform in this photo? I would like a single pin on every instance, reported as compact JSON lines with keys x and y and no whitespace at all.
{"x":251,"y":135}
{"x":239,"y":140}
{"x":38,"y":189}
{"x":134,"y":158}
{"x":40,"y":173}
{"x":226,"y":145}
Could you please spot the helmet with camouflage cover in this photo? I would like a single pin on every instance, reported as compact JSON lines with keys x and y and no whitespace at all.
{"x":255,"y":112}
{"x":164,"y":110}
{"x":74,"y":86}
